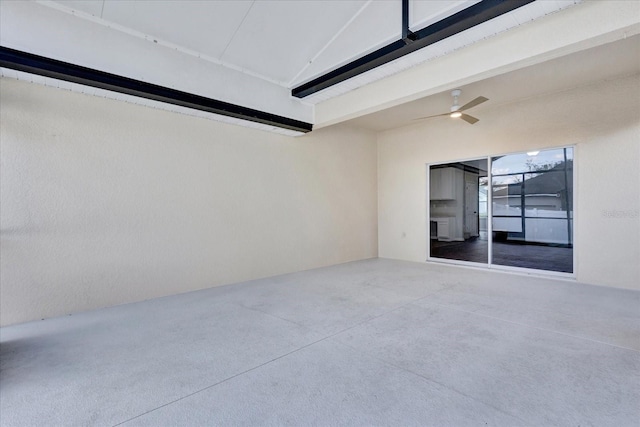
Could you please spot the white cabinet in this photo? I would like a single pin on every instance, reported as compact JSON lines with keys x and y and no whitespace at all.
{"x":446,"y":195}
{"x":443,"y":228}
{"x":443,"y":184}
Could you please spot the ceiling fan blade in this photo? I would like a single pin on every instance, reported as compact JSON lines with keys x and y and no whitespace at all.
{"x":479,"y":100}
{"x":469,"y":119}
{"x":430,"y":117}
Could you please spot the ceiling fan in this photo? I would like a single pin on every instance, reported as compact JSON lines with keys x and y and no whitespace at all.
{"x":457,"y":111}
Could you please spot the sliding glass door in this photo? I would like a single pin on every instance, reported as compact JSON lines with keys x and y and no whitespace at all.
{"x":514,"y":210}
{"x":532,"y":212}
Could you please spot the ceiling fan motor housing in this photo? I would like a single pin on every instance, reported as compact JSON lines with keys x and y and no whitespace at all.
{"x":455,"y":93}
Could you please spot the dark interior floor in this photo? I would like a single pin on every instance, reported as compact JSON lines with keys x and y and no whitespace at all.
{"x":550,"y":258}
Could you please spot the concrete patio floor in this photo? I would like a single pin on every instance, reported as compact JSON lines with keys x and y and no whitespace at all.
{"x":374,"y":342}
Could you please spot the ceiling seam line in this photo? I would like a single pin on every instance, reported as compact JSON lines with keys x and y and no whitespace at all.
{"x":329,"y":43}
{"x":237,"y":29}
{"x":158,"y":41}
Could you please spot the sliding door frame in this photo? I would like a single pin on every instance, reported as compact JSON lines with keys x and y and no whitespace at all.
{"x":489,"y":264}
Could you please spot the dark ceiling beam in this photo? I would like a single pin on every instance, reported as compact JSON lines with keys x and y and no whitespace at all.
{"x":412,"y":41}
{"x":40,"y":65}
{"x":407,"y":35}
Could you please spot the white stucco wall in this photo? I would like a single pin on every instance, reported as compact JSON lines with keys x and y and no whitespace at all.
{"x":603,"y":122}
{"x":104,"y":202}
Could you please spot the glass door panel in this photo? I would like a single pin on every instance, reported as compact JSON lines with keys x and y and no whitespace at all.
{"x":532,"y":210}
{"x":458,"y":197}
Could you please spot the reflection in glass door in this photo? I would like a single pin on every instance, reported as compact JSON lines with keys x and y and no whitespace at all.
{"x":532,"y":210}
{"x":458,"y":211}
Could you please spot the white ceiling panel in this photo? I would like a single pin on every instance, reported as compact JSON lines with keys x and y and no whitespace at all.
{"x":277,"y":38}
{"x":379,"y":23}
{"x":426,"y":12}
{"x":92,"y":7}
{"x":202,"y":26}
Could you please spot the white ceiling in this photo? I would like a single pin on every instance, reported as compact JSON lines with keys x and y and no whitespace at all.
{"x":282,"y":41}
{"x":252,"y":52}
{"x":604,"y":62}
{"x":279,"y":40}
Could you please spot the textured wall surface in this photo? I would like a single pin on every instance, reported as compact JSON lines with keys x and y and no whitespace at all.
{"x":601,"y":120}
{"x":105,"y":202}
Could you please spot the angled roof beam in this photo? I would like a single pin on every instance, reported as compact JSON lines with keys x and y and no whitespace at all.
{"x":412,"y":41}
{"x":40,"y":65}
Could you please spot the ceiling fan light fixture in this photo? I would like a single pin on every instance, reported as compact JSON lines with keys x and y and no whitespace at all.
{"x":456,"y":110}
